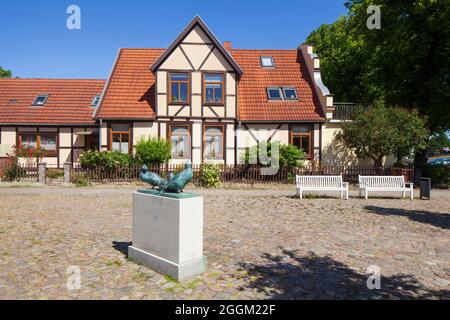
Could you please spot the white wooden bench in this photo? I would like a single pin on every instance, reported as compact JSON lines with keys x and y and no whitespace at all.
{"x":321,"y":183}
{"x":384,"y":183}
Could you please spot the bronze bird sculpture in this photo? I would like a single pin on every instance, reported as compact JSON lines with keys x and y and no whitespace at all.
{"x":180,"y":180}
{"x":151,"y":178}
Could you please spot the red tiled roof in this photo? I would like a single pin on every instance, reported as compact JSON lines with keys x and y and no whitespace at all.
{"x":290,"y":70}
{"x":130,"y":93}
{"x":69,"y":100}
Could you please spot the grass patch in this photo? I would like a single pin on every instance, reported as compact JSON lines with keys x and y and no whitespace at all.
{"x":20,"y":184}
{"x":214,"y":274}
{"x":111,"y":263}
{"x":141,"y":276}
{"x":82,"y":181}
{"x":194,"y":284}
{"x":169,"y":278}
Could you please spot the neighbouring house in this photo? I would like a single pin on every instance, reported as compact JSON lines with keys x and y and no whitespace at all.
{"x":210,"y":100}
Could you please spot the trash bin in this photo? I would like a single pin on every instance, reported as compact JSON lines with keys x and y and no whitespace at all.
{"x":425,"y":188}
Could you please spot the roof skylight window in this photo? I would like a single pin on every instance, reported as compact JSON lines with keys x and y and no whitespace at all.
{"x":95,"y":101}
{"x":274,"y":93}
{"x":290,"y":93}
{"x":267,"y":62}
{"x":40,"y":100}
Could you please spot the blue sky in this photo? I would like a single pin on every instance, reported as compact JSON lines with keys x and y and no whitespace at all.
{"x":36,"y":43}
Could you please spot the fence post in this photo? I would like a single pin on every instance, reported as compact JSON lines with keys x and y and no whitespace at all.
{"x":42,"y":167}
{"x":67,"y":167}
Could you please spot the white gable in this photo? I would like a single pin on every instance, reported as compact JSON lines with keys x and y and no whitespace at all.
{"x":197,"y":53}
{"x":197,"y":36}
{"x":176,"y":60}
{"x":216,"y":62}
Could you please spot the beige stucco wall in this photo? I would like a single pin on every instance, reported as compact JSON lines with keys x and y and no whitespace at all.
{"x":103,"y":136}
{"x":64,"y":156}
{"x":144,"y":130}
{"x":197,"y":142}
{"x":8,"y":136}
{"x":64,"y":137}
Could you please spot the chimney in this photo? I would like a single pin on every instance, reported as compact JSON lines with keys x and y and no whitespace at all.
{"x":227,"y":45}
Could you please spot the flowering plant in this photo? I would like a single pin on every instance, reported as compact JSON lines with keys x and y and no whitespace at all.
{"x":27,"y":152}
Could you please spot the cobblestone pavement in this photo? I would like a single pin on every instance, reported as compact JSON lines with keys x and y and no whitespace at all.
{"x":259,"y":244}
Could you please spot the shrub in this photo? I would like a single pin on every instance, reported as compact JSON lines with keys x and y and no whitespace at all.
{"x":152,"y":151}
{"x":439,"y":174}
{"x":289,"y":156}
{"x":55,"y":173}
{"x":12,"y":171}
{"x":107,"y":160}
{"x":210,"y":175}
{"x":82,"y":181}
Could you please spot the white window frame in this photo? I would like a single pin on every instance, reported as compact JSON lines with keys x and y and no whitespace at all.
{"x":272,"y":65}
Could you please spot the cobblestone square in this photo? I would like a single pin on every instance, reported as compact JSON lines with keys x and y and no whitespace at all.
{"x":260,"y":244}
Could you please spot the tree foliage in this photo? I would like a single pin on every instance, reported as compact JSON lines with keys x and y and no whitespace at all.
{"x":405,"y":62}
{"x":152,"y":151}
{"x":380,"y":131}
{"x":5,"y":73}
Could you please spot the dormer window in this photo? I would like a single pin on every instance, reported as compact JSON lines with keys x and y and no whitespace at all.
{"x":40,"y":100}
{"x":274,"y":93}
{"x":290,"y":93}
{"x":267,"y":62}
{"x":95,"y":101}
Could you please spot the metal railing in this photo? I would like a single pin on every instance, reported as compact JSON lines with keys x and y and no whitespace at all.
{"x":344,"y":110}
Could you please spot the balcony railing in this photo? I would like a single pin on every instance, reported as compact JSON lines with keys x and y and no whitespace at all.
{"x":344,"y":110}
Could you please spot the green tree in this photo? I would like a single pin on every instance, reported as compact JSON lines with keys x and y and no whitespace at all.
{"x":153,"y":151}
{"x":405,"y":62}
{"x":379,"y":131}
{"x":5,"y":73}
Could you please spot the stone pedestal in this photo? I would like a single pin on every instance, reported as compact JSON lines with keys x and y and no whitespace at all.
{"x":168,"y":234}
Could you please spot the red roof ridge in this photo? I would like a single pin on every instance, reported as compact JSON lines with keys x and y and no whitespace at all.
{"x":55,"y":79}
{"x":280,"y":50}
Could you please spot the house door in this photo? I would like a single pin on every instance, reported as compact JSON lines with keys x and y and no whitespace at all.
{"x":92,"y":142}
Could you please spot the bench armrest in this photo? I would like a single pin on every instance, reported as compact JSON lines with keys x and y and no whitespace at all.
{"x":409,"y":184}
{"x":362,"y":185}
{"x":345,"y":183}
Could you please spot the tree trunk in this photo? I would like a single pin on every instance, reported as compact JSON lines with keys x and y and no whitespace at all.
{"x":420,"y":161}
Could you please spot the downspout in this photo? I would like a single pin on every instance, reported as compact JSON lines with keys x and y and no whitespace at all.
{"x":100,"y":135}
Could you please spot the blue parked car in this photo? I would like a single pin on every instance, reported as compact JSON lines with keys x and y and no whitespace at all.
{"x":441,"y":161}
